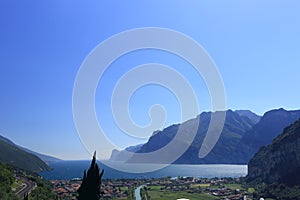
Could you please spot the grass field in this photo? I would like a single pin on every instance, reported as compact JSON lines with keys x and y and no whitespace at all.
{"x":202,"y":185}
{"x":234,"y":186}
{"x":157,"y":194}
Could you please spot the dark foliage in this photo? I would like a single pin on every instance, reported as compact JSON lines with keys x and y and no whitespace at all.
{"x":274,"y":170}
{"x":279,"y":161}
{"x":91,"y":183}
{"x":43,"y":189}
{"x":6,"y":181}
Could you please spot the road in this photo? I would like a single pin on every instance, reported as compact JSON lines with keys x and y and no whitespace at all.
{"x":28,"y":186}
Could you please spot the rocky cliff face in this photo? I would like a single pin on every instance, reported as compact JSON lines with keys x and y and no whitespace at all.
{"x":279,"y":161}
{"x":235,"y":127}
{"x":241,"y":138}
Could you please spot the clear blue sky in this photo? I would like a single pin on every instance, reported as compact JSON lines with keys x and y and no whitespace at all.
{"x":255,"y":44}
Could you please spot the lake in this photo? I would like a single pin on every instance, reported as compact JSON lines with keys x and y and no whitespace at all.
{"x":66,"y":170}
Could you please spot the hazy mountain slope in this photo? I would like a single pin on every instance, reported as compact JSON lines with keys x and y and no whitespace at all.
{"x":45,"y":158}
{"x":117,"y":155}
{"x":13,"y":155}
{"x":243,"y":134}
{"x":251,"y":115}
{"x":6,"y":140}
{"x":234,"y":128}
{"x":279,"y":161}
{"x":270,"y":126}
{"x":239,"y":141}
{"x":224,"y":151}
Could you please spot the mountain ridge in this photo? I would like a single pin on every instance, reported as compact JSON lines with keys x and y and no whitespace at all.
{"x":270,"y":126}
{"x":235,"y":127}
{"x":46,"y":158}
{"x":232,"y":146}
{"x":13,"y":155}
{"x":248,"y":113}
{"x":280,"y":161}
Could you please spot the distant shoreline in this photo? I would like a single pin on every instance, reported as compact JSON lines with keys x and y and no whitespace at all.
{"x":67,"y":170}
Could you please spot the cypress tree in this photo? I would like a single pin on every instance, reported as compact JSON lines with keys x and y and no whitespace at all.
{"x":91,"y":182}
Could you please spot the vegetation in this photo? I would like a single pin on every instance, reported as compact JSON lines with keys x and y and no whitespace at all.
{"x":273,"y":191}
{"x":11,"y":154}
{"x":6,"y":180}
{"x":91,"y":183}
{"x":26,"y":197}
{"x":156,"y":194}
{"x":274,"y":170}
{"x":43,"y":189}
{"x":273,"y":173}
{"x":131,"y":194}
{"x":278,"y":162}
{"x":144,"y":193}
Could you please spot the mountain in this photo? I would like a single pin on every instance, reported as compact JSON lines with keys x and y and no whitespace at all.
{"x":240,"y":139}
{"x":234,"y":129}
{"x":247,"y":113}
{"x":280,"y":161}
{"x":6,"y":140}
{"x":270,"y":126}
{"x":11,"y":154}
{"x":47,"y":159}
{"x":119,"y":156}
{"x":134,"y":148}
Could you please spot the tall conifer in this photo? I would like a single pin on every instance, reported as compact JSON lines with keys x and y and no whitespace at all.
{"x":91,"y":182}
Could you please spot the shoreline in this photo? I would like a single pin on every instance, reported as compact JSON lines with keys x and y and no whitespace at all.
{"x":74,"y":169}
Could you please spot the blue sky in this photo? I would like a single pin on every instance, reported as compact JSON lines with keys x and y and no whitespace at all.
{"x":255,"y":45}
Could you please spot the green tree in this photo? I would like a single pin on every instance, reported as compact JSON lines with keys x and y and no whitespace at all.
{"x":91,"y":183}
{"x":6,"y":181}
{"x":44,"y":189}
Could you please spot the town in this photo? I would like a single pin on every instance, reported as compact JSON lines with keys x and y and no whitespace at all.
{"x":179,"y":187}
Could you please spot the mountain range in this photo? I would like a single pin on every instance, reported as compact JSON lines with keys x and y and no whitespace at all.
{"x":279,"y":162}
{"x":23,"y":158}
{"x":243,"y":134}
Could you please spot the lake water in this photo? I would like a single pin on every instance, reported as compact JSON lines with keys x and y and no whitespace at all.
{"x":65,"y":170}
